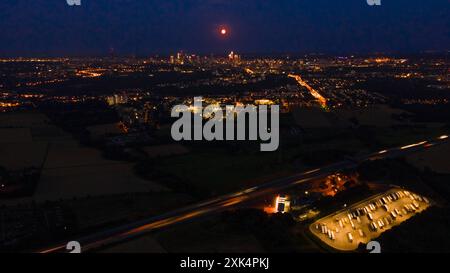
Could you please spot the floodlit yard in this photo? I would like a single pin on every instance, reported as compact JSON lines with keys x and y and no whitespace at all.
{"x":343,"y":231}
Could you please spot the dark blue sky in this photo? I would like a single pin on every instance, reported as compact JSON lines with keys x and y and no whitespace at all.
{"x":51,"y":27}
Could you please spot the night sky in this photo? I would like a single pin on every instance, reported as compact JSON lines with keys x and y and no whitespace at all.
{"x":147,"y":27}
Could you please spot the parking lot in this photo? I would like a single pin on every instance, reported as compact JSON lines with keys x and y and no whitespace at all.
{"x":366,"y":220}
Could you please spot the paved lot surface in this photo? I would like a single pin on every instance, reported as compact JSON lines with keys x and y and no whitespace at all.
{"x":345,"y":229}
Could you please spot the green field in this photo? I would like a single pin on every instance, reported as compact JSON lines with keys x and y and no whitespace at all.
{"x":220,"y":172}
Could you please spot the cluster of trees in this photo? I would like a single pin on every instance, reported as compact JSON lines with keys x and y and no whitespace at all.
{"x":18,"y":183}
{"x":426,"y":232}
{"x":75,"y":117}
{"x":400,"y":172}
{"x":147,"y":169}
{"x":272,"y":231}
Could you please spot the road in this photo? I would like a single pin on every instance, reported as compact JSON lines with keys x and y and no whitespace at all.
{"x":129,"y":231}
{"x":312,"y":91}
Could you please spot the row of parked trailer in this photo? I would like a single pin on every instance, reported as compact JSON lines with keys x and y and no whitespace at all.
{"x":354,"y":215}
{"x":383,"y":203}
{"x":327,"y":231}
{"x":331,"y":233}
{"x":394,"y":213}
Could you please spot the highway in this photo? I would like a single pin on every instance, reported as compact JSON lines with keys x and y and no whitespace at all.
{"x":129,"y":231}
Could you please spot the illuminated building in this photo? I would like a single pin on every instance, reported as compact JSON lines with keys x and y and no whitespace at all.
{"x":116,"y":99}
{"x":282,"y":204}
{"x":234,"y":57}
